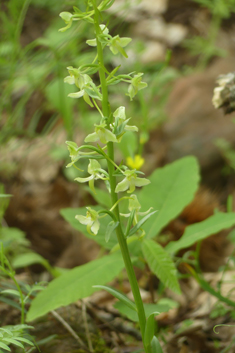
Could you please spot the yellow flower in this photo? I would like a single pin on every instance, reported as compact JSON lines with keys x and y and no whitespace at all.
{"x":136,"y":162}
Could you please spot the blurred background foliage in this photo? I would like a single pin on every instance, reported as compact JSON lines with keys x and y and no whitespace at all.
{"x":34,"y":57}
{"x":33,"y":61}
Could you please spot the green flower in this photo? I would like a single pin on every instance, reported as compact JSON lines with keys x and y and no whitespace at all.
{"x":84,"y":83}
{"x":115,"y":44}
{"x":103,"y":37}
{"x":73,"y":153}
{"x":90,"y":220}
{"x":68,"y":19}
{"x":131,"y":181}
{"x":95,"y":171}
{"x":120,"y":125}
{"x":120,"y":118}
{"x":102,"y":134}
{"x":136,"y":85}
{"x":135,"y":205}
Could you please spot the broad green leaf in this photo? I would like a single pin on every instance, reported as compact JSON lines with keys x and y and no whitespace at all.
{"x":161,"y":264}
{"x":75,"y":284}
{"x":123,"y":298}
{"x":102,"y":197}
{"x":148,"y":308}
{"x":27,"y":259}
{"x":172,"y":188}
{"x":69,"y":215}
{"x":130,"y":240}
{"x":155,"y":346}
{"x":128,"y":144}
{"x":149,"y":329}
{"x":201,"y":230}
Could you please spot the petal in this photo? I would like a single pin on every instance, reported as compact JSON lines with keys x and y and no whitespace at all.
{"x":141,"y":181}
{"x":84,"y":180}
{"x":113,"y":49}
{"x":125,"y":214}
{"x":134,"y":203}
{"x":131,"y":91}
{"x":83,"y":220}
{"x":95,"y":227}
{"x":104,"y":29}
{"x":123,"y":185}
{"x":131,"y":128}
{"x":92,"y":185}
{"x":106,"y":135}
{"x":131,"y":186}
{"x":91,"y":42}
{"x":67,"y":27}
{"x":70,"y":80}
{"x":120,"y":113}
{"x":146,"y":212}
{"x":124,"y":41}
{"x":93,"y":166}
{"x":66,"y":16}
{"x":77,"y":94}
{"x":87,"y":100}
{"x":142,"y":85}
{"x":92,"y":137}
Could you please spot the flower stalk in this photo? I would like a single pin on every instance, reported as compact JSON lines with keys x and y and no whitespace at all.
{"x":109,"y":131}
{"x":112,"y":180}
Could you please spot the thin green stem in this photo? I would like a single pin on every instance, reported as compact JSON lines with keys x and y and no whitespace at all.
{"x":112,"y":180}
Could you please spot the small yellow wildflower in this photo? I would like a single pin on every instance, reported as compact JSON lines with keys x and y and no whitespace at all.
{"x":136,"y":162}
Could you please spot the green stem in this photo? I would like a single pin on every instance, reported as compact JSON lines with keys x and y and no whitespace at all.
{"x":112,"y":180}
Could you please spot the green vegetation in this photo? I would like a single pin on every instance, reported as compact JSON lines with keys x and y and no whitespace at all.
{"x":127,"y":221}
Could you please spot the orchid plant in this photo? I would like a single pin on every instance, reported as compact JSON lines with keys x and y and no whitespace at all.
{"x":109,"y":132}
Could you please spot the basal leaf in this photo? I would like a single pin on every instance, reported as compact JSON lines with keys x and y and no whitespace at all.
{"x":155,"y":346}
{"x":123,"y":298}
{"x":201,"y":230}
{"x":172,"y":188}
{"x":149,"y":329}
{"x":161,"y":264}
{"x":75,"y":284}
{"x":69,"y":215}
{"x":148,"y":308}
